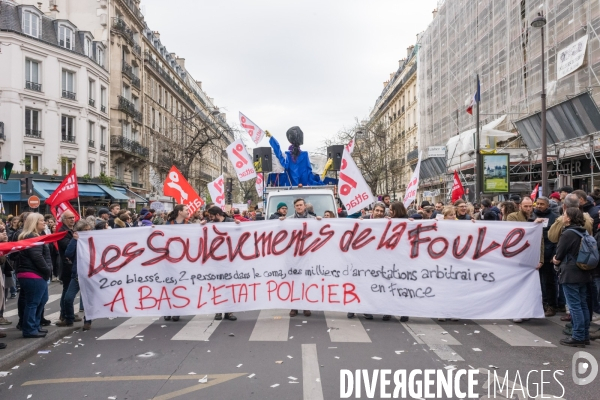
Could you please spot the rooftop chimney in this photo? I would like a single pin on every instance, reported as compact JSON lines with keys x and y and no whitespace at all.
{"x":156,"y":34}
{"x":199,"y":83}
{"x":434,"y":12}
{"x":409,"y":50}
{"x":181,"y":62}
{"x":385,"y":83}
{"x":401,"y":62}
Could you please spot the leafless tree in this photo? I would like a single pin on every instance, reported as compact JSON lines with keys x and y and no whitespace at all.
{"x":373,"y":150}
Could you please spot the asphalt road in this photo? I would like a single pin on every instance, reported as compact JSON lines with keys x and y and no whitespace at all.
{"x":268,"y":355}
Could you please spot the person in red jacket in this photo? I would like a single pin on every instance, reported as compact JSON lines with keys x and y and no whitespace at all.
{"x":238,"y":217}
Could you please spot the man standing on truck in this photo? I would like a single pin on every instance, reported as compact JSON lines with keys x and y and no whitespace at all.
{"x":281,"y":211}
{"x":299,"y":212}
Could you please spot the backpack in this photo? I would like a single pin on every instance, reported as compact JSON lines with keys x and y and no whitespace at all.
{"x":587,"y":258}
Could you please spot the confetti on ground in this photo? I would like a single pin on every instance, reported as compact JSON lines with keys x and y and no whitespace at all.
{"x":98,"y":373}
{"x":292,"y":378}
{"x":399,"y":351}
{"x":547,"y":341}
{"x":239,"y":365}
{"x":203,"y":380}
{"x":112,"y":398}
{"x":29,"y":396}
{"x":191,"y":373}
{"x":163,"y":326}
{"x":332,"y":347}
{"x":376,"y":358}
{"x":231,"y":334}
{"x":337,"y":357}
{"x":455,"y":331}
{"x":139,"y":336}
{"x":43,"y":351}
{"x":305,"y":322}
{"x":290,"y":357}
{"x":492,"y":366}
{"x":450,"y":367}
{"x":328,"y":330}
{"x":278,"y":362}
{"x":420,"y":334}
{"x":4,"y":373}
{"x":444,"y":333}
{"x":291,"y":337}
{"x":535,"y":340}
{"x":15,"y":367}
{"x":475,"y":331}
{"x":67,"y":337}
{"x":476,"y":349}
{"x":275,"y":385}
{"x":292,"y":382}
{"x":251,"y":375}
{"x":98,"y":356}
{"x":546,"y":363}
{"x":208,"y":351}
{"x":318,"y":379}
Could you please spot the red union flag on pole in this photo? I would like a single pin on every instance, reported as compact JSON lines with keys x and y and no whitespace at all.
{"x":217,"y":191}
{"x":352,"y":187}
{"x":179,"y":188}
{"x":457,"y":188}
{"x":413,"y":185}
{"x":67,"y":190}
{"x":535,"y":192}
{"x":253,"y":130}
{"x":241,"y":160}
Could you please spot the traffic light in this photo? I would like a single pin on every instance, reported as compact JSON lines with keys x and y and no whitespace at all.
{"x":5,"y":170}
{"x":26,"y":186}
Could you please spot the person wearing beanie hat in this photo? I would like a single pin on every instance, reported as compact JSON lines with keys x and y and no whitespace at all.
{"x":144,"y":211}
{"x":555,"y":196}
{"x":282,"y":209}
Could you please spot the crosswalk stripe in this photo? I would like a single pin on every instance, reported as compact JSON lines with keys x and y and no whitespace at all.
{"x":426,"y":331}
{"x":271,"y":326}
{"x":311,"y":375}
{"x":55,"y":316}
{"x":198,"y":328}
{"x":12,"y":313}
{"x":513,"y":335}
{"x":128,"y":329}
{"x":343,"y":329}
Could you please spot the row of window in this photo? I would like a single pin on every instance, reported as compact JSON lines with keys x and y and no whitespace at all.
{"x":68,"y":84}
{"x":66,"y":37}
{"x":33,"y":162}
{"x":33,"y":129}
{"x":120,"y":173}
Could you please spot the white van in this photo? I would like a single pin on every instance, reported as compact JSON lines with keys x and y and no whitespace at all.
{"x":321,"y":198}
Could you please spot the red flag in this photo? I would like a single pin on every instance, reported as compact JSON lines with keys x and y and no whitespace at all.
{"x":11,"y":247}
{"x":58,"y":212}
{"x":179,"y":188}
{"x":457,"y":188}
{"x":67,"y":190}
{"x":535,"y":192}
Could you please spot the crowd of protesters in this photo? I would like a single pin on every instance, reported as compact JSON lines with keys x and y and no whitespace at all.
{"x":566,"y":215}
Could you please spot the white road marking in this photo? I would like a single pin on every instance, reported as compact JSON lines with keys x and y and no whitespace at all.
{"x":11,"y":313}
{"x":198,"y":328}
{"x":426,"y":331}
{"x":271,"y":326}
{"x":128,"y":329}
{"x":311,"y":376}
{"x":343,"y":329}
{"x":514,"y":335}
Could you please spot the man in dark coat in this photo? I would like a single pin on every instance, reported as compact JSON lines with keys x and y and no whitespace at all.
{"x":547,"y":273}
{"x":281,"y":211}
{"x":68,"y":222}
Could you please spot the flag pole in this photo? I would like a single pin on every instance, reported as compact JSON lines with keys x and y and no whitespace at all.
{"x":478,"y":167}
{"x":78,"y":206}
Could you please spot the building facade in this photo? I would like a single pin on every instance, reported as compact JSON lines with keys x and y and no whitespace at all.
{"x":396,"y":110}
{"x":53,"y":76}
{"x":495,"y":40}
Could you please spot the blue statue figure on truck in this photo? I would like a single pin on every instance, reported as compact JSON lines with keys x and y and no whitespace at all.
{"x":295,"y":161}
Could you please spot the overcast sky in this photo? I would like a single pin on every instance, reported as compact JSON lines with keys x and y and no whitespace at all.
{"x":314,"y":64}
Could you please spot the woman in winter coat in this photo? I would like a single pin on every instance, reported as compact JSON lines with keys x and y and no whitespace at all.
{"x":573,"y":279}
{"x":34,"y":270}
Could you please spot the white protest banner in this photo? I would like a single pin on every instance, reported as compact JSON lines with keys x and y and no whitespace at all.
{"x":570,"y":58}
{"x":240,"y":206}
{"x":216,"y":189}
{"x":353,"y":190}
{"x":259,"y":184}
{"x":413,"y":185}
{"x":350,"y":146}
{"x":424,"y":268}
{"x":241,"y":160}
{"x":256,"y":134}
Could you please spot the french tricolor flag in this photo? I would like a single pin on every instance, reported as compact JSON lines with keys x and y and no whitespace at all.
{"x":475,"y":99}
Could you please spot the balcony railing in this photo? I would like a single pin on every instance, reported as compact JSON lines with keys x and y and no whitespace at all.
{"x":412,"y":155}
{"x":92,"y":102}
{"x":68,"y":139}
{"x":103,"y":147}
{"x":134,"y":9}
{"x":33,"y":86}
{"x":69,"y":95}
{"x":120,"y":26}
{"x":128,"y":71}
{"x":160,"y":71}
{"x":33,"y":133}
{"x":91,"y":144}
{"x":131,"y":146}
{"x":137,"y":185}
{"x":103,"y":109}
{"x":129,"y":108}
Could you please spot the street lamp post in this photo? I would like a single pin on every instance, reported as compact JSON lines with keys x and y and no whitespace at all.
{"x":540,"y":22}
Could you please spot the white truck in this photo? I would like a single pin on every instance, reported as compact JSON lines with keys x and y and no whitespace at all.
{"x":321,"y":197}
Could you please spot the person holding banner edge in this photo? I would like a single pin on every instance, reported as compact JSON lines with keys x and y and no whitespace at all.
{"x":179,"y":216}
{"x":219,"y":215}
